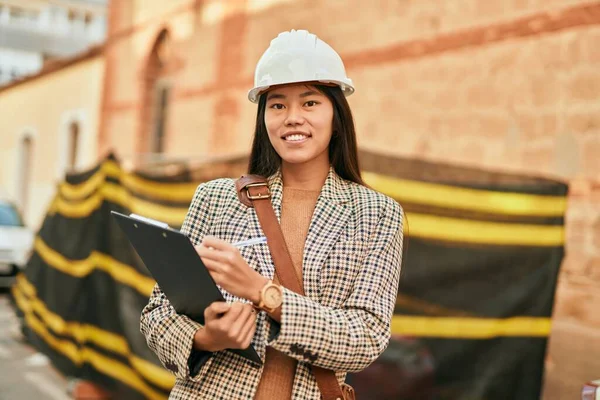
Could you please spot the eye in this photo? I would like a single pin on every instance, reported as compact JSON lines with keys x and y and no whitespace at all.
{"x":311,"y":103}
{"x":276,"y":106}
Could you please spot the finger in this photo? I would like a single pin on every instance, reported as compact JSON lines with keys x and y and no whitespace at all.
{"x":239,"y":323}
{"x":214,"y":310}
{"x":248,"y":324}
{"x":220,"y":274}
{"x":232,"y":314}
{"x":207,"y":252}
{"x":251,"y":316}
{"x":230,"y":257}
{"x":218,"y":244}
{"x":201,"y":250}
{"x":225,"y":257}
{"x":248,"y":332}
{"x":215,"y":266}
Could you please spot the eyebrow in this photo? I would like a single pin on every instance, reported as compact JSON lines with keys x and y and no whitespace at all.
{"x":275,"y":96}
{"x":310,"y":93}
{"x":282,"y":96}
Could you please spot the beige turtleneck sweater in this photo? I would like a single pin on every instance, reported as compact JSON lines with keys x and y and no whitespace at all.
{"x":297,"y":208}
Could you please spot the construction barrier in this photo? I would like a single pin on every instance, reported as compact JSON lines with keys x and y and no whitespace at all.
{"x":473,"y":313}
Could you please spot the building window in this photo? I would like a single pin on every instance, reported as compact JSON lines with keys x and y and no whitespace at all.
{"x":74,"y":134}
{"x":24,"y":172}
{"x":162,"y":91}
{"x":157,"y":89}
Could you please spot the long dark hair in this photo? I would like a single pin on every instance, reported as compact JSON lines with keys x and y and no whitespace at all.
{"x":343,"y":153}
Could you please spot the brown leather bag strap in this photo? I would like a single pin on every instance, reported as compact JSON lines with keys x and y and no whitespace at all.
{"x":253,"y":191}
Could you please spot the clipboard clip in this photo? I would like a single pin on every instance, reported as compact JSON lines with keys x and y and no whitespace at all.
{"x":150,"y":221}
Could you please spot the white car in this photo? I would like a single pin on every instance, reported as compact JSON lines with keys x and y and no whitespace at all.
{"x":16,"y":243}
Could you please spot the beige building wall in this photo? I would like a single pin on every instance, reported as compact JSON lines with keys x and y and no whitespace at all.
{"x":44,"y":108}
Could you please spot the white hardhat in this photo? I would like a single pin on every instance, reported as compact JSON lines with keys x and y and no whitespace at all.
{"x":299,"y":56}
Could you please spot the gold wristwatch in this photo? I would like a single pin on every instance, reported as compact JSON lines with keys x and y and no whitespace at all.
{"x":271,"y":297}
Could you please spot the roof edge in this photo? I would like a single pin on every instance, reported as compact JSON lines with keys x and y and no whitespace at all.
{"x":57,"y":65}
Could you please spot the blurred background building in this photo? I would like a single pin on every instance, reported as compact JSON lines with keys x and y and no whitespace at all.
{"x":502,"y":85}
{"x":34,"y":32}
{"x":49,"y":120}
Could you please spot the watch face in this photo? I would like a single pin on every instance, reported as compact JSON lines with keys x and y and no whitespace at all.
{"x":272,"y":298}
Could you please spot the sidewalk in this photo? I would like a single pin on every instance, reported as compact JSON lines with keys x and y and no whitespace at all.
{"x":24,"y":373}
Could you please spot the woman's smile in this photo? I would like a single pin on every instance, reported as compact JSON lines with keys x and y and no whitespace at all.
{"x":296,"y":137}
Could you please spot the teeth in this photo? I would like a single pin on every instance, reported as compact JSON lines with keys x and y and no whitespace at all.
{"x":294,"y":138}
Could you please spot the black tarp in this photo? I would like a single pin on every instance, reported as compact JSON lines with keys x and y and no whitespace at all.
{"x":482,"y":254}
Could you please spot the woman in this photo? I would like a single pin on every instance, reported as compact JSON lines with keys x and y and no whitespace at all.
{"x":345,"y":242}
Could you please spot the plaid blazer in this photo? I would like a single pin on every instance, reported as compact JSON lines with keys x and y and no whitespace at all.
{"x":351,"y":269}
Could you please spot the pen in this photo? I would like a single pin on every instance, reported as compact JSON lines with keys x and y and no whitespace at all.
{"x":250,"y":242}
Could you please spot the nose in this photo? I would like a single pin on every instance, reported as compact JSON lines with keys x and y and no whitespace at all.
{"x":294,"y":117}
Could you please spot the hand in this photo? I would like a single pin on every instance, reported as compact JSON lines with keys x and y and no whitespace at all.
{"x":226,"y":327}
{"x":229,"y":269}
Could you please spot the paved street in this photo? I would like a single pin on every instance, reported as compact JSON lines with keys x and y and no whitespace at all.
{"x":24,"y":373}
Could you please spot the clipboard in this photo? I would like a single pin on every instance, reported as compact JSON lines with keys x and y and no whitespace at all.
{"x":174,"y":263}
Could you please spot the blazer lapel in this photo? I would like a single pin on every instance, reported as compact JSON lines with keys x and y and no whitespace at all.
{"x":328,"y":221}
{"x":265,"y":263}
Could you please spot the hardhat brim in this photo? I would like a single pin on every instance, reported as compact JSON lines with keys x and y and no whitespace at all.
{"x":254,"y":94}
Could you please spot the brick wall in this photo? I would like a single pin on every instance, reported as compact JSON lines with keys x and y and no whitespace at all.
{"x":575,"y":339}
{"x":508,"y":85}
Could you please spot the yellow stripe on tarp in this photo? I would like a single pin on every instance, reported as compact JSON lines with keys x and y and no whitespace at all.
{"x":438,"y":195}
{"x":161,"y":190}
{"x":84,"y":189}
{"x":84,"y":333}
{"x":418,"y":192}
{"x":172,"y":215}
{"x":112,"y":168}
{"x":421,"y":225}
{"x":483,"y":232}
{"x":119,"y":271}
{"x":470,"y":328}
{"x":79,"y":191}
{"x":79,"y":209}
{"x":172,"y":191}
{"x":119,"y":195}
